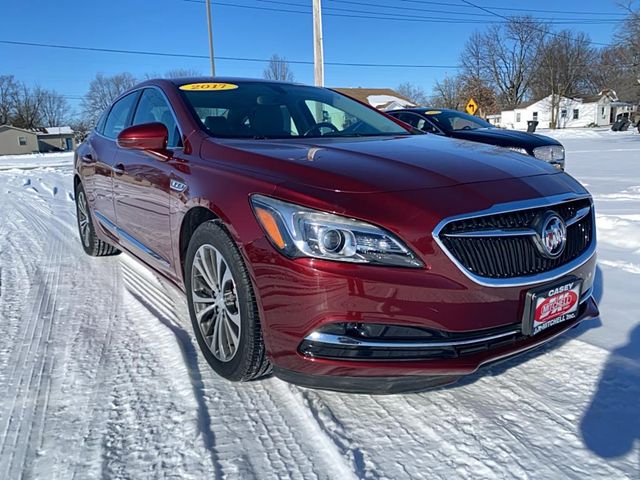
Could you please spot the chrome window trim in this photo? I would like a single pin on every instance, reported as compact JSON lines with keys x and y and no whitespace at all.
{"x":554,"y":274}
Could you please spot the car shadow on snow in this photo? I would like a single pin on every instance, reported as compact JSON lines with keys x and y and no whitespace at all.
{"x":611,"y":425}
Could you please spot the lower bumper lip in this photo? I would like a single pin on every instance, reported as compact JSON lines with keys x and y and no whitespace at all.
{"x":349,"y":342}
{"x":422,"y":378}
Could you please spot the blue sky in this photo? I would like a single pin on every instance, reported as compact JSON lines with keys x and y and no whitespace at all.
{"x":179,"y":26}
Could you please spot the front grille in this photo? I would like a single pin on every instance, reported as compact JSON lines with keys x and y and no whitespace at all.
{"x":503,"y":257}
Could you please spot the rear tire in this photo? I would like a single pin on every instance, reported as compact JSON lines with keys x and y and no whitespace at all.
{"x":91,"y":244}
{"x":222,"y":305}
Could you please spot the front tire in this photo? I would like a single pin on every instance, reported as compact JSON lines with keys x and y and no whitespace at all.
{"x":222,"y":305}
{"x":91,"y":244}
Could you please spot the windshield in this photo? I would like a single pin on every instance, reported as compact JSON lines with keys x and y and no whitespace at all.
{"x":451,"y":121}
{"x":270,"y":110}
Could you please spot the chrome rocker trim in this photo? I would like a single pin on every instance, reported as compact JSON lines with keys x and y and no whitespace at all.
{"x":513,"y":207}
{"x":132,"y":241}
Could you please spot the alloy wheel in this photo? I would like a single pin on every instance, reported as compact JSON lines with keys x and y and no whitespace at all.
{"x":83,"y":219}
{"x":215,"y":302}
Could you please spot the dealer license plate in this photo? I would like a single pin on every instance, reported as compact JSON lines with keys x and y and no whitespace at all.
{"x":550,"y":305}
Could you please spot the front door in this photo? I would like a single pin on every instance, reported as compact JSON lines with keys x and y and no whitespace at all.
{"x":142,"y":187}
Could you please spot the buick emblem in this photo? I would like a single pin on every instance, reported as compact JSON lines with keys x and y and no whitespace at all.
{"x":551,"y":234}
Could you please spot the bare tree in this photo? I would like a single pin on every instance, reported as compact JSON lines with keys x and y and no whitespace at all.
{"x":278,"y":69}
{"x":612,"y":70}
{"x":447,"y":93}
{"x":175,"y":73}
{"x":562,"y":68}
{"x":505,"y":55}
{"x":182,"y":72}
{"x":625,"y":58}
{"x":28,"y":106}
{"x":54,"y":109}
{"x":81,"y":128}
{"x":413,"y":93}
{"x":8,"y":93}
{"x":103,"y":90}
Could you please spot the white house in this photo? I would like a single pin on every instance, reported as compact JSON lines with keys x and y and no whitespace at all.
{"x":580,"y":111}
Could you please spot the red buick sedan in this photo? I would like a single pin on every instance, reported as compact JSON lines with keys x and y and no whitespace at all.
{"x":319,"y":238}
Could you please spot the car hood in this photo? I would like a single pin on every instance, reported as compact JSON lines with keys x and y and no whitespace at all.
{"x":505,"y":138}
{"x":380,"y":164}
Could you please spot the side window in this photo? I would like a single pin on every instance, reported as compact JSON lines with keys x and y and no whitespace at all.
{"x":416,"y":121}
{"x":152,"y":107}
{"x":101,"y":121}
{"x":119,"y":115}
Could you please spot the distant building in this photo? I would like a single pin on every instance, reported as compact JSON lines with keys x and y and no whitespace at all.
{"x":380,"y":98}
{"x":56,"y":139}
{"x":17,"y":141}
{"x":578,"y":111}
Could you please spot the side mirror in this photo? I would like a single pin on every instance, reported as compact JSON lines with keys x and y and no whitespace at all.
{"x":148,"y":136}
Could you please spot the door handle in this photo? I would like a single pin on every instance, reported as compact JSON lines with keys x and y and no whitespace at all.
{"x":118,"y":169}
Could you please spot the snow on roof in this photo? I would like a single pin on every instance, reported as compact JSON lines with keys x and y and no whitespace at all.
{"x":375,"y":96}
{"x":378,"y":100}
{"x":66,"y":130}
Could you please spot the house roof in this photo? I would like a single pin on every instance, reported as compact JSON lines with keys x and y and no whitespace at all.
{"x":42,"y":131}
{"x":66,"y":130}
{"x":11,"y":127}
{"x":376,"y":97}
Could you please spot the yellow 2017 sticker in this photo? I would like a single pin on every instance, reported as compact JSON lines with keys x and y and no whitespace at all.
{"x":208,"y":87}
{"x":433,"y":112}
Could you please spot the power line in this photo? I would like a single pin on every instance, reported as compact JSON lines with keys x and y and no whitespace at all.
{"x":432,"y":19}
{"x":386,"y":16}
{"x":533,"y":26}
{"x":448,"y":4}
{"x":238,"y":59}
{"x":472,"y":14}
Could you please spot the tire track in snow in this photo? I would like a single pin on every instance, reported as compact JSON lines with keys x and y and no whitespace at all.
{"x":25,"y":382}
{"x":260,"y":423}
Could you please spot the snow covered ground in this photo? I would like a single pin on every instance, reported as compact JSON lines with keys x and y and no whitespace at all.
{"x":100,"y":375}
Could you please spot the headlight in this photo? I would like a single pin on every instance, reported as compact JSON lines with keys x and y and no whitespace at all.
{"x":549,"y":153}
{"x":302,"y":232}
{"x":519,"y":150}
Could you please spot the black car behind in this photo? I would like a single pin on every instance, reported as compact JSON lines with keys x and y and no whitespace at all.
{"x":455,"y":124}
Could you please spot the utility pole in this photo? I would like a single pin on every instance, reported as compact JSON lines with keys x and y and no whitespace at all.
{"x":318,"y":54}
{"x":213,"y":66}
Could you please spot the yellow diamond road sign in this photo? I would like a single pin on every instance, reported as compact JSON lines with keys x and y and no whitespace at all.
{"x":472,"y":107}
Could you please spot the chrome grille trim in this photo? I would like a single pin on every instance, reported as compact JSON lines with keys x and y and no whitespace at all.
{"x":542,"y":202}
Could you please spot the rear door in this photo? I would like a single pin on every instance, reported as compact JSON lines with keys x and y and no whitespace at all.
{"x":142,"y":186}
{"x":100,"y":160}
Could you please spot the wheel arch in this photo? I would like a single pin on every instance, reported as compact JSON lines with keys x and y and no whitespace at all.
{"x":194,"y":217}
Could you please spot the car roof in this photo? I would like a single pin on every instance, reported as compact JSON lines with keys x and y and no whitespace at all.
{"x":205,"y":79}
{"x":423,"y":109}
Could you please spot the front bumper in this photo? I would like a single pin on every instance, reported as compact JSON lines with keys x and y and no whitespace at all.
{"x":437,"y":373}
{"x":299,"y":297}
